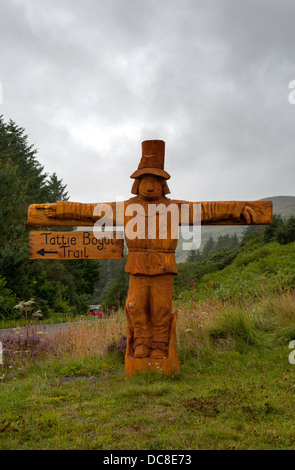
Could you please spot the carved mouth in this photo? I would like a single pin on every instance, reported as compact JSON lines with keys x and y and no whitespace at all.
{"x":150,"y":195}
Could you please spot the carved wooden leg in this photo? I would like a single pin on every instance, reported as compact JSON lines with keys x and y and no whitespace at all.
{"x":157,"y":294}
{"x":137,"y":310}
{"x":161,"y":310}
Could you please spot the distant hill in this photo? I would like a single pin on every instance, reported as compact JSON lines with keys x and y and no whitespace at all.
{"x":283,"y":205}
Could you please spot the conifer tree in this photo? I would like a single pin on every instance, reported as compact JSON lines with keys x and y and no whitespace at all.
{"x":208,"y":247}
{"x":23,"y":181}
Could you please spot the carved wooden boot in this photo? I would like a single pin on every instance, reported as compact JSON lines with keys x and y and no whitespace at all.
{"x":159,"y":350}
{"x":141,"y":347}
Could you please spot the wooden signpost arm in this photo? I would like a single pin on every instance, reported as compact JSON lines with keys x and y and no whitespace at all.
{"x":230,"y":212}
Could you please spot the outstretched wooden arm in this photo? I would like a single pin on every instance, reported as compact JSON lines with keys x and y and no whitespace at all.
{"x":231,"y":212}
{"x":65,"y":213}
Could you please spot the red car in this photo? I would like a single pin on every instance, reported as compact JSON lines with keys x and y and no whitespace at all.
{"x":95,"y":312}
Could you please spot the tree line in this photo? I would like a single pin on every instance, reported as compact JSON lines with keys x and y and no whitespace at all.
{"x":211,"y":246}
{"x":55,"y":286}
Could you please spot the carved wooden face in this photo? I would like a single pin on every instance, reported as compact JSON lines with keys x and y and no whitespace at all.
{"x":150,"y":188}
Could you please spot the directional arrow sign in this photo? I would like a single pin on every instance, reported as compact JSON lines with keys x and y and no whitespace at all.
{"x":43,"y":252}
{"x":76,"y":245}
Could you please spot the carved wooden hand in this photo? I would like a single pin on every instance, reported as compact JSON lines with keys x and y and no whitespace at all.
{"x":249,"y":215}
{"x":50,"y":209}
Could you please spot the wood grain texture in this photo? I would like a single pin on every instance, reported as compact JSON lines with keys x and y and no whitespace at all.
{"x":213,"y":213}
{"x":75,"y":245}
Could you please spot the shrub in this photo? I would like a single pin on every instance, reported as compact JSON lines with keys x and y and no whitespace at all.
{"x":118,"y":346}
{"x":7,"y":300}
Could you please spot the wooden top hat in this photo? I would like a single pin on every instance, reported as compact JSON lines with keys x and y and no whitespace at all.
{"x":152,"y":160}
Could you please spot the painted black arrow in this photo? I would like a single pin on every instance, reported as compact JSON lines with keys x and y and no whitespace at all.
{"x":43,"y":252}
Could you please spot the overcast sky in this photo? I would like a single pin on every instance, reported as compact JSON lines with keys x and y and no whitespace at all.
{"x":89,"y":80}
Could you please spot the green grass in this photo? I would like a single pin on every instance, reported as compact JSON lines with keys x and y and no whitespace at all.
{"x":231,"y":399}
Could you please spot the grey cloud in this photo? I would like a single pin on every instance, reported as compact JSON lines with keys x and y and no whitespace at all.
{"x":90,"y":80}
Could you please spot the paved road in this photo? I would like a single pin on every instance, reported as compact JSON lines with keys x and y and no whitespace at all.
{"x":46,"y":329}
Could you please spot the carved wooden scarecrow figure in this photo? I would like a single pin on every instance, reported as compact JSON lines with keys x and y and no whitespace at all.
{"x":151,"y":253}
{"x":151,"y":262}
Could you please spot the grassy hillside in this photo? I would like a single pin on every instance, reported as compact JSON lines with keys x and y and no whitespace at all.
{"x":256,"y":271}
{"x":236,"y":385}
{"x":235,"y":342}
